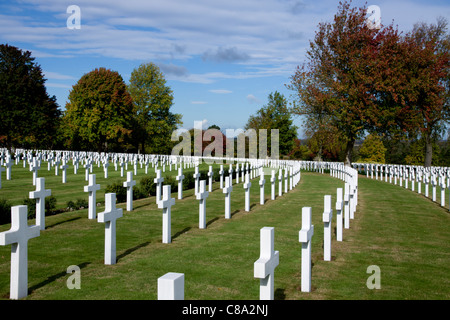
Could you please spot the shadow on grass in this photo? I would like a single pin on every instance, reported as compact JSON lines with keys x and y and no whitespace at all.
{"x":61,"y":222}
{"x":212,"y":220}
{"x":142,"y":206}
{"x":54,"y":278}
{"x":179,"y":233}
{"x":279,"y":294}
{"x":128,"y":251}
{"x":234,"y":212}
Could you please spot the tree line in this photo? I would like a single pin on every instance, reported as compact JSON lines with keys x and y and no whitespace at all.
{"x":103,"y":113}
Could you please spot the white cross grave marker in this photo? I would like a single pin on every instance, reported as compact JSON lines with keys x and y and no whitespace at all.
{"x":286,"y":176}
{"x":34,"y":168}
{"x":305,"y":235}
{"x":264,"y":267}
{"x":8,"y":164}
{"x":196,"y":176}
{"x":92,"y":189}
{"x":339,"y":206}
{"x":122,"y":165}
{"x":109,"y":217}
{"x":247,"y":186}
{"x":18,"y":237}
{"x":57,"y":162}
{"x":40,"y":194}
{"x":230,"y":172}
{"x":86,"y":170}
{"x":347,"y":206}
{"x":166,"y":204}
{"x":262,"y":181}
{"x":280,"y":183}
{"x":129,"y":184}
{"x":180,"y":178}
{"x":352,"y":201}
{"x":202,"y":195}
{"x":1,"y":170}
{"x":227,"y":190}
{"x":210,"y":180}
{"x":433,"y":183}
{"x":158,"y":180}
{"x":221,"y":176}
{"x":327,"y":217}
{"x":105,"y":168}
{"x":272,"y":181}
{"x":171,"y":286}
{"x":64,"y":167}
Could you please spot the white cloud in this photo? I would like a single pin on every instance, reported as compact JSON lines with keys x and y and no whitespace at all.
{"x":252,"y":99}
{"x":269,"y":33}
{"x":221,"y":91}
{"x":57,"y":85}
{"x":199,"y":102}
{"x":220,"y":31}
{"x":57,"y":76}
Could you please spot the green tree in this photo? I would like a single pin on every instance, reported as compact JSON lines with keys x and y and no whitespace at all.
{"x":275,"y":115}
{"x":29,"y":117}
{"x":152,"y":100}
{"x":372,"y":150}
{"x":416,"y":153}
{"x":98,"y":115}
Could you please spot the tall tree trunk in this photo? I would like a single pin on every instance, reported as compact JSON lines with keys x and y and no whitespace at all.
{"x":349,"y":152}
{"x":428,"y":150}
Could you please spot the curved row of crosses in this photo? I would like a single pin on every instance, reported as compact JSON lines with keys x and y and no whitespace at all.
{"x":410,"y":177}
{"x":20,"y":232}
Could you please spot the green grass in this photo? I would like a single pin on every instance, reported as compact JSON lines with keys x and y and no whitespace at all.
{"x":403,"y":233}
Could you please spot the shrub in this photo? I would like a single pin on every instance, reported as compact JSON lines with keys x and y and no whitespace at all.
{"x":147,"y":186}
{"x":5,"y":211}
{"x":50,"y":205}
{"x":118,"y":189}
{"x":78,"y":204}
{"x":173,"y":183}
{"x":138,"y":192}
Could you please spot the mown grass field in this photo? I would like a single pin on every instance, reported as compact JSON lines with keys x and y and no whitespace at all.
{"x":400,"y":231}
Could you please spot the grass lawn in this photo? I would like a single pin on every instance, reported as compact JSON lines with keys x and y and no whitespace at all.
{"x":400,"y":231}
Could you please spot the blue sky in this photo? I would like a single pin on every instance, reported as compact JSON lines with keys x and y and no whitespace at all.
{"x":221,"y":58}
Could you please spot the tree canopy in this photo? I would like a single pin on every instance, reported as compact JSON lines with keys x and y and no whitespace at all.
{"x":99,"y":114}
{"x":359,"y":79}
{"x":152,"y":100}
{"x":275,"y":115}
{"x":29,"y":117}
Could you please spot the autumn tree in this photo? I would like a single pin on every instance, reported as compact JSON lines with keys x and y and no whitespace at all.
{"x":98,"y":115}
{"x":337,"y":86}
{"x":427,"y":73}
{"x":152,"y":100}
{"x":29,"y":117}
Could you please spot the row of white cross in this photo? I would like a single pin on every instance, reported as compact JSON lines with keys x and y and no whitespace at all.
{"x":171,"y":285}
{"x":20,"y":233}
{"x":411,"y":175}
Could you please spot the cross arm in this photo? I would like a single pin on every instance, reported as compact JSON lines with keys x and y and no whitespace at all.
{"x":305,"y":235}
{"x":264,"y":266}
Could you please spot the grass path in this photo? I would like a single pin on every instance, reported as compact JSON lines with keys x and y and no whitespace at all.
{"x":403,"y":233}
